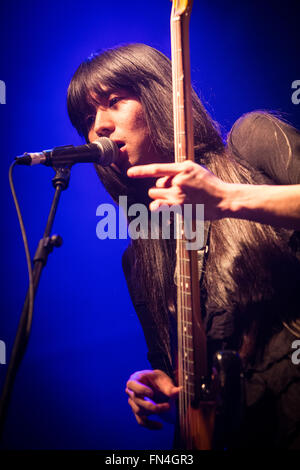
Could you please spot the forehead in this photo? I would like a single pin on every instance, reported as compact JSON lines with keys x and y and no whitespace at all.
{"x":101,"y":94}
{"x":97,"y":95}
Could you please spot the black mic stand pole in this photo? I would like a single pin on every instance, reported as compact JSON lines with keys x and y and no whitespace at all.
{"x":45,"y":247}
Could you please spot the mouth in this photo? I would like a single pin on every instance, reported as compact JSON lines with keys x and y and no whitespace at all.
{"x":120,"y":144}
{"x":122,"y":149}
{"x":122,"y":164}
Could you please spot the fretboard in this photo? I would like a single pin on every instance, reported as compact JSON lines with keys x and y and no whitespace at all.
{"x":189,"y":329}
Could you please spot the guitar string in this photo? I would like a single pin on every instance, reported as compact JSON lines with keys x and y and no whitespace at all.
{"x":183,"y":267}
{"x":173,"y":36}
{"x":177,"y":117}
{"x":182,"y":155}
{"x":186,"y":276}
{"x":187,"y":272}
{"x":180,"y":138}
{"x":179,"y":280}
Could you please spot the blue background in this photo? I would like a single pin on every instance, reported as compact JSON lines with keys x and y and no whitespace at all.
{"x":86,"y":339}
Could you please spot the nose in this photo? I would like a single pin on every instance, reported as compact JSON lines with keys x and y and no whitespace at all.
{"x":104,"y":124}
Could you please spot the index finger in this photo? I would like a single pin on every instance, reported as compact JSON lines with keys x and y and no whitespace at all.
{"x":139,"y":389}
{"x":153,"y":169}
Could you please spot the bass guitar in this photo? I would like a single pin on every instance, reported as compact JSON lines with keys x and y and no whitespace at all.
{"x":203,"y":392}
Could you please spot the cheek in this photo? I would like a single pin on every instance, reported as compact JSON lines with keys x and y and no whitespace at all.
{"x":135,"y":118}
{"x":140,"y":130}
{"x":92,"y":136}
{"x":140,"y":122}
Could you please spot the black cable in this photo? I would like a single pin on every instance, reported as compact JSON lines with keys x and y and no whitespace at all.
{"x":26,"y":248}
{"x":25,"y":322}
{"x":45,"y":247}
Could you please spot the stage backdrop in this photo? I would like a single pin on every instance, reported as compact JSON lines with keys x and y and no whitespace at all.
{"x":86,"y":339}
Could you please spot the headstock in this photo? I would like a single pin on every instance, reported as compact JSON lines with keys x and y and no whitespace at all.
{"x":181,"y":7}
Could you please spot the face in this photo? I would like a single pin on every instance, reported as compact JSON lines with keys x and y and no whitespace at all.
{"x":120,"y":117}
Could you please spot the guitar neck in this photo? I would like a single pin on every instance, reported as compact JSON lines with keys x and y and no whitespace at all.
{"x":181,"y":79}
{"x":192,"y":361}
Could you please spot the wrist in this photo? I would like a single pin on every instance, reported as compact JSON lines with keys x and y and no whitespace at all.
{"x":228,"y":205}
{"x":239,"y":200}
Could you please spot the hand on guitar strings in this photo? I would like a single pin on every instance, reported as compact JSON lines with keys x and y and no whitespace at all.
{"x":152,"y":392}
{"x":183,"y":183}
{"x":189,"y":183}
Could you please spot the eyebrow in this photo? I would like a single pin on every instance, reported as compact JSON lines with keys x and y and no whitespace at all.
{"x":95,"y":97}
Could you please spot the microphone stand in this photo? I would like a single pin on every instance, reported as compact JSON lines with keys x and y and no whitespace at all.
{"x":45,"y":247}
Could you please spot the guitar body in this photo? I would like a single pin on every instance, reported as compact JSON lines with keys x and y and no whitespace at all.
{"x":202,"y":425}
{"x":213,"y":421}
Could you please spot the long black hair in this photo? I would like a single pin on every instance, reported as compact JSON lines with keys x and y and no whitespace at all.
{"x":239,"y":277}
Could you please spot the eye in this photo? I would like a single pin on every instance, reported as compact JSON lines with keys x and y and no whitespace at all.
{"x":113,"y":101}
{"x":89,"y":121}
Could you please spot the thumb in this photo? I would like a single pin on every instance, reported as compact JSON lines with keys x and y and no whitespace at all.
{"x":169,"y":389}
{"x":174,"y":391}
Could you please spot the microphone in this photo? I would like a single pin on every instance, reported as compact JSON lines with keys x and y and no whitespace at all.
{"x":102,"y":151}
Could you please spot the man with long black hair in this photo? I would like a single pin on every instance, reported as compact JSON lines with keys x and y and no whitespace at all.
{"x":250,"y":285}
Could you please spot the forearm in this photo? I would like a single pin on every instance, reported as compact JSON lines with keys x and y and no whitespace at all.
{"x":189,"y":183}
{"x":268,"y":204}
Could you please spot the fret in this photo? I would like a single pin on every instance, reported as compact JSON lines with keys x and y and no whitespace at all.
{"x":188,"y":382}
{"x":187,"y":371}
{"x":190,"y":393}
{"x":183,"y":280}
{"x":188,"y":362}
{"x":183,"y":265}
{"x":189,"y":389}
{"x":181,"y":243}
{"x":186,"y":286}
{"x":187,"y":308}
{"x":188,"y":353}
{"x":187,"y":375}
{"x":186,"y":333}
{"x":187,"y":328}
{"x":185,"y":301}
{"x":186,"y":293}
